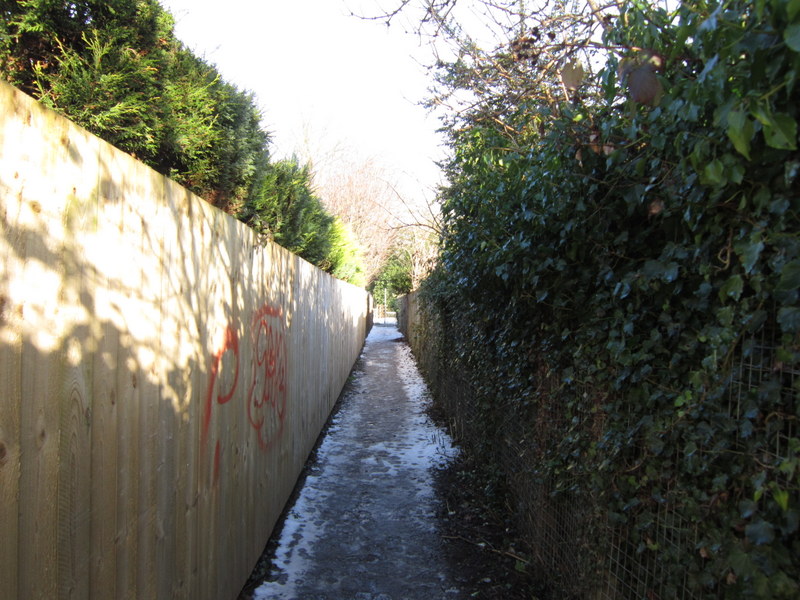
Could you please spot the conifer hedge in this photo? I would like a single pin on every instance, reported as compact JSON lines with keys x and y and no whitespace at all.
{"x":116,"y":68}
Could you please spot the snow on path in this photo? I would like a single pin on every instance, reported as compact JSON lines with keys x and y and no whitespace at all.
{"x":363,"y":526}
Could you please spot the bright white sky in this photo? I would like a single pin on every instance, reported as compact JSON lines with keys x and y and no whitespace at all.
{"x":329,"y":85}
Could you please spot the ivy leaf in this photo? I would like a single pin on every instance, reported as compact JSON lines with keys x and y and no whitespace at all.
{"x":760,"y":532}
{"x":655,"y":269}
{"x":741,"y":563}
{"x":656,"y":446}
{"x":782,"y":499}
{"x":748,"y":253}
{"x":791,"y":170}
{"x":791,"y":522}
{"x":790,"y":277}
{"x":747,"y":508}
{"x":713,"y":173}
{"x":740,"y":132}
{"x":780,"y":130}
{"x":709,"y":66}
{"x":789,"y":319}
{"x":732,"y":288}
{"x":756,"y":320}
{"x":793,"y":9}
{"x":671,"y":272}
{"x":792,"y":37}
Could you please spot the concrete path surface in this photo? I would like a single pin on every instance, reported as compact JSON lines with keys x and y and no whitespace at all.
{"x":363,"y":526}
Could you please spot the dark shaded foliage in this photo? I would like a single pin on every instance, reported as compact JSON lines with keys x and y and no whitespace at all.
{"x":613,"y":264}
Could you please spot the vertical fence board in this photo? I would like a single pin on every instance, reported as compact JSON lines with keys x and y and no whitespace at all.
{"x":10,"y":401}
{"x":179,"y":335}
{"x":105,"y":396}
{"x":149,"y":399}
{"x":11,"y":253}
{"x":9,"y":469}
{"x":104,"y":460}
{"x":38,"y":513}
{"x":78,"y":345}
{"x":74,"y":474}
{"x":126,"y":541}
{"x":170,"y":378}
{"x":40,"y":422}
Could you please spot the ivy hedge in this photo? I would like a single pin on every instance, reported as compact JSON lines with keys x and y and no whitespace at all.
{"x":631,"y":262}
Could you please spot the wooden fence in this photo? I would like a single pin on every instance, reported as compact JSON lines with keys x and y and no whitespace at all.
{"x":163,"y":376}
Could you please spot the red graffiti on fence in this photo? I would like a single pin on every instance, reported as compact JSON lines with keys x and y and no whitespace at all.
{"x":266,"y":394}
{"x":231,"y":343}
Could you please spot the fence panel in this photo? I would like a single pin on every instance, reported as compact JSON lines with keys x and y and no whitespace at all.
{"x":163,"y":376}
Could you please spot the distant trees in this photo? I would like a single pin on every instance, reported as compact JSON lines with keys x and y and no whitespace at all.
{"x":359,"y":193}
{"x":399,"y":235}
{"x":116,"y":68}
{"x":408,"y":262}
{"x":393,"y":280}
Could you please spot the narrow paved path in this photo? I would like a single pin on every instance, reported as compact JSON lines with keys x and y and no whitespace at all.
{"x":363,"y":526}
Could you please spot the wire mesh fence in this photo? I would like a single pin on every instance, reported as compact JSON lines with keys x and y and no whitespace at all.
{"x":563,"y":530}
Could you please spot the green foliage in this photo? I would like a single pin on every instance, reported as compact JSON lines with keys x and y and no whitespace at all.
{"x":190,"y":132}
{"x":95,"y":61}
{"x":108,"y":90}
{"x":116,"y":68}
{"x":286,"y":209}
{"x":35,"y":32}
{"x":346,"y":256}
{"x":633,"y":266}
{"x":395,"y":277}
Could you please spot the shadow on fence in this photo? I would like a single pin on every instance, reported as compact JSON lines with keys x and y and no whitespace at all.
{"x":163,"y":376}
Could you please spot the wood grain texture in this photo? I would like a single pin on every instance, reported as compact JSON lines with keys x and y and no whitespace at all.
{"x":10,"y":407}
{"x":163,"y":375}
